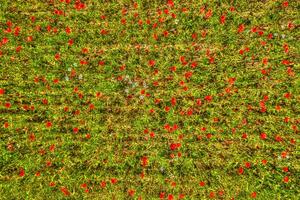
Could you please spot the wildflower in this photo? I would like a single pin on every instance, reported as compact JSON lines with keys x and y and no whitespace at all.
{"x":202,"y":183}
{"x":2,"y":91}
{"x":65,"y":191}
{"x":241,"y":28}
{"x":48,"y":124}
{"x":21,"y":172}
{"x":286,"y":179}
{"x":131,"y":192}
{"x":253,"y":195}
{"x":263,"y":136}
{"x":113,"y":180}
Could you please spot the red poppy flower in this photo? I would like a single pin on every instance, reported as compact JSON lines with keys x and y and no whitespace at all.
{"x":241,"y":28}
{"x":6,"y":125}
{"x":221,"y":192}
{"x":173,"y":68}
{"x":113,"y":180}
{"x":253,"y":195}
{"x":208,"y":14}
{"x":173,"y":101}
{"x":285,"y":4}
{"x":173,"y":146}
{"x":44,"y":101}
{"x":51,"y":184}
{"x":55,"y":81}
{"x":194,"y":64}
{"x":88,"y":136}
{"x":188,"y":75}
{"x":75,"y":130}
{"x":284,"y":154}
{"x":144,"y":161}
{"x":179,"y":154}
{"x":222,"y":19}
{"x":231,"y":80}
{"x":167,"y":108}
{"x":32,"y":137}
{"x":57,"y":56}
{"x":131,"y":192}
{"x":166,"y":33}
{"x":19,"y":48}
{"x":66,"y":108}
{"x":248,"y":164}
{"x":285,"y":62}
{"x":170,"y":197}
{"x":278,"y":138}
{"x":7,"y":104}
{"x":70,"y":42}
{"x":83,"y":62}
{"x":287,"y":95}
{"x":198,"y":102}
{"x":152,"y":134}
{"x":48,"y":124}
{"x":208,"y":136}
{"x":162,"y":195}
{"x":65,"y":191}
{"x":151,"y":63}
{"x":103,"y":184}
{"x":48,"y":163}
{"x":5,"y":40}
{"x":92,"y":106}
{"x":173,"y":184}
{"x":211,"y":194}
{"x":263,"y":136}
{"x":208,"y":98}
{"x":170,"y":3}
{"x":240,"y":170}
{"x":21,"y":172}
{"x":202,"y":183}
{"x":2,"y":91}
{"x":68,"y":30}
{"x":52,"y":147}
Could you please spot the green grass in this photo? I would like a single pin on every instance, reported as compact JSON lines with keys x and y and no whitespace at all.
{"x":121,"y":129}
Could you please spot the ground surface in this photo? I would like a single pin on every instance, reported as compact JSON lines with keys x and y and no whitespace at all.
{"x":149,"y":99}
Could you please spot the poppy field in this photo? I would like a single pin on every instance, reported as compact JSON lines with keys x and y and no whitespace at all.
{"x":148,"y":99}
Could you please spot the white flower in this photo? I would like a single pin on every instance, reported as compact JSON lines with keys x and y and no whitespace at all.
{"x":283,"y":36}
{"x":176,"y":21}
{"x":67,"y":78}
{"x":142,"y":97}
{"x":145,"y":85}
{"x":126,"y":90}
{"x":80,"y":76}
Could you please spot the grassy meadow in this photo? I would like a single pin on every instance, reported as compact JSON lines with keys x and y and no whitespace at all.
{"x":149,"y":99}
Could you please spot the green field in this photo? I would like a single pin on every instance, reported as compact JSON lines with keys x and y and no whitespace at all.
{"x":182,"y":99}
